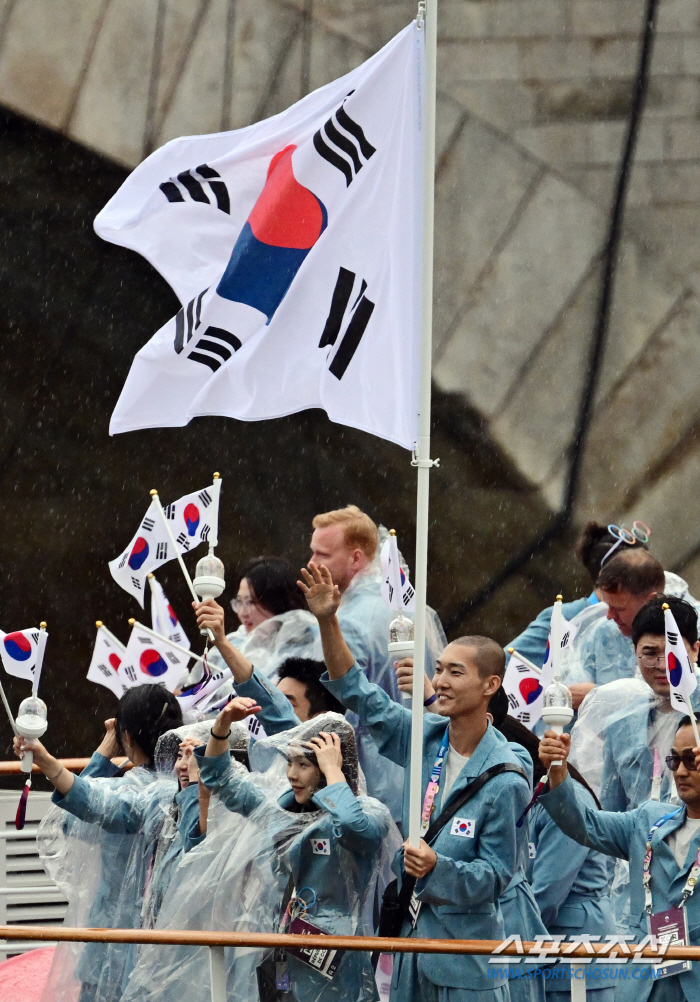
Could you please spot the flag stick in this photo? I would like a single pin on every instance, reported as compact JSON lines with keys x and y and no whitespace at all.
{"x":214,"y":540}
{"x":512,"y":651}
{"x":110,"y":636}
{"x":165,"y":640}
{"x":41,"y":647}
{"x":693,"y":722}
{"x":188,"y":579}
{"x":422,"y":453}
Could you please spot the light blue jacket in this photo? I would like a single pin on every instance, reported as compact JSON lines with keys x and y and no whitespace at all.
{"x":532,"y":642}
{"x":134,"y":806}
{"x":625,"y":835}
{"x":459,"y":897}
{"x":570,"y":883}
{"x":350,"y":833}
{"x":276,"y":713}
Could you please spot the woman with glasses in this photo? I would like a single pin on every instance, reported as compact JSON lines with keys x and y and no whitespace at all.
{"x":274,"y":621}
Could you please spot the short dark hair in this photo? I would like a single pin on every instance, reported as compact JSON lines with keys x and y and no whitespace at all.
{"x":308,"y":672}
{"x":594,"y":543}
{"x":688,"y":721}
{"x":634,"y":570}
{"x":273,"y":582}
{"x":146,"y":712}
{"x":489,"y":657}
{"x":650,"y":619}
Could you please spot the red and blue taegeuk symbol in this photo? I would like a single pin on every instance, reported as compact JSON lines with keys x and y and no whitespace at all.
{"x":114,"y":661}
{"x":530,"y":689}
{"x":462,"y":827}
{"x":152,"y":663}
{"x":546,"y":654}
{"x":191,"y":515}
{"x":675,"y":669}
{"x":17,"y":646}
{"x":171,"y":613}
{"x":139,"y":554}
{"x":283,"y":226}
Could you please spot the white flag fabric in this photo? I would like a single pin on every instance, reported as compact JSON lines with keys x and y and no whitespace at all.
{"x":107,"y":657}
{"x":193,"y":519}
{"x":163,"y":617}
{"x":201,"y":692}
{"x":148,"y":660}
{"x":522,"y":684}
{"x":294,"y":246}
{"x":561,"y":636}
{"x":20,"y":652}
{"x":680,"y":675}
{"x":397,"y":590}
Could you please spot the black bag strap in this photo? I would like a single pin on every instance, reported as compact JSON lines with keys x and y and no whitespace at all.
{"x":467,"y":793}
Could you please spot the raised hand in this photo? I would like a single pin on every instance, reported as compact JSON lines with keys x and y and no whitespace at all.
{"x":211,"y":615}
{"x":238,"y":708}
{"x":555,"y":748}
{"x":322,"y":596}
{"x":329,"y":756}
{"x":109,"y":745}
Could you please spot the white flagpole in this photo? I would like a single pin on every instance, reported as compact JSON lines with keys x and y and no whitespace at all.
{"x":183,"y":568}
{"x":427,"y":12}
{"x":41,"y":647}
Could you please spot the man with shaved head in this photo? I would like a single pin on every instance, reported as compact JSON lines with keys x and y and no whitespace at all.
{"x":470,"y":862}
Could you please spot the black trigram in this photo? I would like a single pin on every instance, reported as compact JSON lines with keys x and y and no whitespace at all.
{"x":183,"y":541}
{"x":131,"y":673}
{"x":204,"y":534}
{"x":513,"y":700}
{"x":147,"y":524}
{"x":679,"y":700}
{"x":408,"y":595}
{"x":123,"y":560}
{"x":105,"y":671}
{"x":361,"y":311}
{"x":136,"y":583}
{"x":35,"y":636}
{"x":205,"y":498}
{"x":525,"y":718}
{"x":162,"y":551}
{"x":146,"y":641}
{"x":565,"y":639}
{"x":253,"y":725}
{"x":192,"y":186}
{"x":352,"y":142}
{"x":187,"y":321}
{"x":169,"y":512}
{"x":673,"y":638}
{"x":523,"y":669}
{"x":172,"y":658}
{"x":176,"y":638}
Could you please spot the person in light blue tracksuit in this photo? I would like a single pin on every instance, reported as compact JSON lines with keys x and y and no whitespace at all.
{"x":127,"y":814}
{"x":331,"y":864}
{"x":675,"y":845}
{"x":570,"y":884}
{"x":460,"y":878}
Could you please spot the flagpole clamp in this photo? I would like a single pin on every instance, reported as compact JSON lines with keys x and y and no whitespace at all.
{"x":420,"y":16}
{"x":424,"y":464}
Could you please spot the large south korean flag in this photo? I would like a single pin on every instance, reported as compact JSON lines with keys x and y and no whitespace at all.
{"x":294,"y":248}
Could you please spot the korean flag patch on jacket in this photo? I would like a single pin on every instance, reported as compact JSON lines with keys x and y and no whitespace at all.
{"x":321,"y":846}
{"x":463,"y":827}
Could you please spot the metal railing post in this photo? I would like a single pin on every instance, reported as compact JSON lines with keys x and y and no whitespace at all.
{"x":578,"y":984}
{"x":217,"y":973}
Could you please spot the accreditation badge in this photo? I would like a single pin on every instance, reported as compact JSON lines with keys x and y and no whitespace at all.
{"x":671,"y":928}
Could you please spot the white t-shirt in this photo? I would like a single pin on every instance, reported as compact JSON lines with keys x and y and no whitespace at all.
{"x":451,"y":769}
{"x":679,"y":841}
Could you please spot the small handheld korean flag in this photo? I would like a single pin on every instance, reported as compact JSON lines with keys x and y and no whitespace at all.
{"x":149,"y":548}
{"x":148,"y":661}
{"x":561,"y":636}
{"x":107,"y":657}
{"x":20,"y":652}
{"x":397,"y":590}
{"x":681,"y":676}
{"x":163,"y":617}
{"x":194,"y":518}
{"x":523,"y":686}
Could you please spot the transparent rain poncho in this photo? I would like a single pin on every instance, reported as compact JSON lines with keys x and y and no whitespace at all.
{"x":245,"y":870}
{"x":170,"y":846}
{"x":290,"y":635}
{"x":101,"y":865}
{"x":599,"y":653}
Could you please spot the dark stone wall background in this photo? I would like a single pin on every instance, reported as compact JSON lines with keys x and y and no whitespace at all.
{"x":73,"y":312}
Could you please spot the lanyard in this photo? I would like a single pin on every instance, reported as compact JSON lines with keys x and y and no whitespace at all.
{"x":646,"y":867}
{"x":434,"y":783}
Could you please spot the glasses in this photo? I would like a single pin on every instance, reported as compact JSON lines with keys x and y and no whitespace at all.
{"x":673,"y":761}
{"x":242,"y":604}
{"x":650,"y":660}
